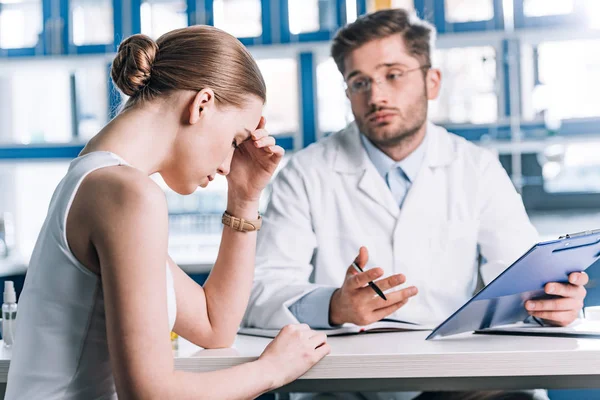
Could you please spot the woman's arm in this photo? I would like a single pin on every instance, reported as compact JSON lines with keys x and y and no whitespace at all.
{"x":230,"y":281}
{"x":129,"y":232}
{"x":210,"y":317}
{"x":228,"y":287}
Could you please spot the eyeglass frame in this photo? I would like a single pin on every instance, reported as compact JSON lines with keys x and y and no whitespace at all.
{"x":371,"y":80}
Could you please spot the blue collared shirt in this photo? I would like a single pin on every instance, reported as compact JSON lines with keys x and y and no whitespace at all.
{"x":313,"y":309}
{"x":398,"y":175}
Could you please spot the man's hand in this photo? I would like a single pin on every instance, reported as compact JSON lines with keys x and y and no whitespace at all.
{"x":565,"y":309}
{"x":357,"y":303}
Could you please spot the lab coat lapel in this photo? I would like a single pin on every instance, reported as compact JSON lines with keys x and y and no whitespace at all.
{"x":351,"y":158}
{"x":373,"y":185}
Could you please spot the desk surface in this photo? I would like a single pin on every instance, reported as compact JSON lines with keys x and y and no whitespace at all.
{"x":405,"y":361}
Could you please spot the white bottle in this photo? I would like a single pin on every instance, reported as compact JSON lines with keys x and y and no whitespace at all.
{"x":9,"y":313}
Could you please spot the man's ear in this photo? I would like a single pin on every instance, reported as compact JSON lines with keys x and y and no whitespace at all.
{"x":433,"y":80}
{"x":203,"y":101}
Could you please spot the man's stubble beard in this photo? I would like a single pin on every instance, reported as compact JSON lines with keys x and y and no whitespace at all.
{"x":405,"y":132}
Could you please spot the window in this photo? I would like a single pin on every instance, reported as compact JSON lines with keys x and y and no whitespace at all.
{"x":241,"y":18}
{"x":91,"y":99}
{"x":567,"y":84}
{"x":334,"y":107}
{"x":92,"y":22}
{"x":27,"y":188}
{"x":543,"y":8}
{"x":161,"y":16}
{"x":311,"y":15}
{"x":197,"y":213}
{"x":376,"y":5}
{"x":351,"y":11}
{"x":469,"y":93}
{"x":281,"y":110}
{"x":38,"y":105}
{"x":572,"y":167}
{"x":592,"y":13}
{"x":70,"y":98}
{"x":469,"y":10}
{"x":20,"y":23}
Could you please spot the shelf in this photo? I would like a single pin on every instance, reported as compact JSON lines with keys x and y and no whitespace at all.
{"x":40,"y":151}
{"x":52,"y":151}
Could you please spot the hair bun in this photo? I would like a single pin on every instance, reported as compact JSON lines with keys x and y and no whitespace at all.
{"x":132,"y":67}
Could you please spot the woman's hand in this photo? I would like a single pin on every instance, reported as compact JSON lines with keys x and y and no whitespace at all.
{"x":294,"y":351}
{"x":252,"y":166}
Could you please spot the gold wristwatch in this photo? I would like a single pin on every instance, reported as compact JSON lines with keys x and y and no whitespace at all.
{"x":240,"y":224}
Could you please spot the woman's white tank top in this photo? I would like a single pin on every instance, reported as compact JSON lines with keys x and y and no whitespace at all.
{"x":60,"y":349}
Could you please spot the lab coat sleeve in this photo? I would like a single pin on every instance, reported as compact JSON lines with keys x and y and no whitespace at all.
{"x":285,"y":248}
{"x":505,"y":232}
{"x":313,"y":309}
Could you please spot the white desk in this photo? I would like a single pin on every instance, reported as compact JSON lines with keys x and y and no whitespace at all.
{"x":405,"y":361}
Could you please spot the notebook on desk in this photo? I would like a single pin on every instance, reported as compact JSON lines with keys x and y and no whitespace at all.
{"x":385,"y":325}
{"x":502,"y":301}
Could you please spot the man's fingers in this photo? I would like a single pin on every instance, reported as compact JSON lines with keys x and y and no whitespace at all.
{"x":565,"y":290}
{"x":363,"y":257}
{"x":393,"y":297}
{"x":363,"y":278}
{"x":561,"y":318}
{"x":386,"y":311}
{"x":579,"y":278}
{"x":390,"y":282}
{"x":360,"y":260}
{"x":558,"y":304}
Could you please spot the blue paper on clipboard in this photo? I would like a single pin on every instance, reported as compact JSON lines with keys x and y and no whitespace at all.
{"x":502,"y":301}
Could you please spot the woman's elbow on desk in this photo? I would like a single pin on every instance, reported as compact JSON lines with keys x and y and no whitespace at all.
{"x":219,"y":341}
{"x":207,"y":337}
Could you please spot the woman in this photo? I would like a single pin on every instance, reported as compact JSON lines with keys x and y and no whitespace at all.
{"x":101,"y":293}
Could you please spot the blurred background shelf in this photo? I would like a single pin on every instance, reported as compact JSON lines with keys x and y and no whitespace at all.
{"x":519,"y":77}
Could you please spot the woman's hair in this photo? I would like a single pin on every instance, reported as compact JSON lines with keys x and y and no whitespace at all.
{"x":193,"y":58}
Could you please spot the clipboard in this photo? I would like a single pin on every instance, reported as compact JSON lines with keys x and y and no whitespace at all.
{"x":502,"y":301}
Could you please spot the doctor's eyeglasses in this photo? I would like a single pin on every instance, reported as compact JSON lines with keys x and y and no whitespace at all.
{"x":393,"y":79}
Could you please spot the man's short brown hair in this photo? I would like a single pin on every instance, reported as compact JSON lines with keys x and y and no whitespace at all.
{"x":418,"y":35}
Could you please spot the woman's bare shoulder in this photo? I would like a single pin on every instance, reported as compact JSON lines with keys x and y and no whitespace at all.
{"x":116,"y":190}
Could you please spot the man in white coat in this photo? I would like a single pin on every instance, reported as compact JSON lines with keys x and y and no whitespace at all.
{"x":420,"y":199}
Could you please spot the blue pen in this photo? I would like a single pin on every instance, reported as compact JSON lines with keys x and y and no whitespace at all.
{"x":373,"y":286}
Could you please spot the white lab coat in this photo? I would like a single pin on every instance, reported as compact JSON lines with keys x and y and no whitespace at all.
{"x":329,"y":200}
